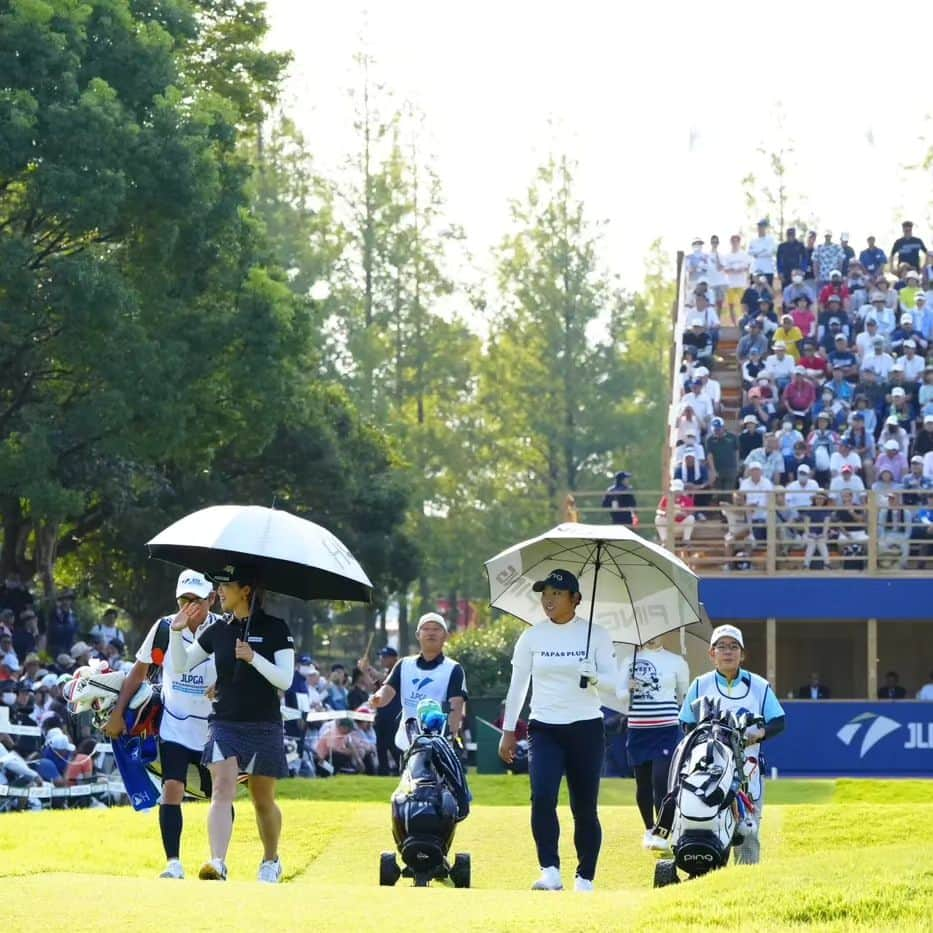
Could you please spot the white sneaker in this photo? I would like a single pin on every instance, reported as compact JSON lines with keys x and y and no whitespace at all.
{"x":653,"y":841}
{"x":270,"y":872}
{"x":214,"y":870}
{"x":549,"y":880}
{"x":582,"y":884}
{"x":173,"y":869}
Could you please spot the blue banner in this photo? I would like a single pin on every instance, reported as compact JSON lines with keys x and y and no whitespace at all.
{"x":852,"y":739}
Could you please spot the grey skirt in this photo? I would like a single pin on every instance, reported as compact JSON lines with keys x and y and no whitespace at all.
{"x":259,"y":747}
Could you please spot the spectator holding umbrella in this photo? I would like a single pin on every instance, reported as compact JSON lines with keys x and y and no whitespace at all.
{"x":566,"y":724}
{"x":254,"y":654}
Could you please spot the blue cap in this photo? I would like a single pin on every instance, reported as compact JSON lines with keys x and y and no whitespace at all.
{"x":558,"y":580}
{"x":717,"y":423}
{"x":305,"y":659}
{"x":388,"y":651}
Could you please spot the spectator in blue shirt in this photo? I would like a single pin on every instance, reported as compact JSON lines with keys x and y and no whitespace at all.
{"x":873,"y":259}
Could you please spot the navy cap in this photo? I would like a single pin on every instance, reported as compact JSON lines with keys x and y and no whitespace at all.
{"x":558,"y":580}
{"x":388,"y":652}
{"x":305,"y":659}
{"x":234,"y":573}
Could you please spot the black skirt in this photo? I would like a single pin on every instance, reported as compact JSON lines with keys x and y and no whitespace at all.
{"x":259,"y":747}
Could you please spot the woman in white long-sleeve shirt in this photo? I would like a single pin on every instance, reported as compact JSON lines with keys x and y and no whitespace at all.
{"x":566,"y":724}
{"x":653,"y":683}
{"x":255,"y":658}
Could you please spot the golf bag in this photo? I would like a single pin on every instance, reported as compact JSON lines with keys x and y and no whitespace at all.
{"x":431,"y":798}
{"x":707,"y":797}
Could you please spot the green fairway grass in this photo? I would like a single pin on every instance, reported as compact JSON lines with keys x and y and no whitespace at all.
{"x":837,"y":855}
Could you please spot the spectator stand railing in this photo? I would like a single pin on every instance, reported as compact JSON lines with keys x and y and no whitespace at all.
{"x":679,"y":314}
{"x":777,"y":544}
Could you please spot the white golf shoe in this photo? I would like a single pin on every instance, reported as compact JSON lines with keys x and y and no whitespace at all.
{"x":549,"y":880}
{"x":655,"y":842}
{"x":270,"y":871}
{"x":173,"y":869}
{"x":582,"y":884}
{"x":214,"y":870}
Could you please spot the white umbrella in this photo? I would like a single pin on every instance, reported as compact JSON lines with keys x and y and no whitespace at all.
{"x":289,"y":554}
{"x":630,"y":586}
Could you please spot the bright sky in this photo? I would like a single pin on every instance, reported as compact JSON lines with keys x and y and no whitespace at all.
{"x":662,"y":104}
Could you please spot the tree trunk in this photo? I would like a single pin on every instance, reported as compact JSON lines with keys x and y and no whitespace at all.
{"x":403,"y":636}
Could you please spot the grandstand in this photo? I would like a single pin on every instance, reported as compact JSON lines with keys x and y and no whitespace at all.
{"x":840,"y":585}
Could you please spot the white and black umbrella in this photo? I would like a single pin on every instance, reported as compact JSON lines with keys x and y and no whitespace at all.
{"x":630,"y":586}
{"x":289,"y":555}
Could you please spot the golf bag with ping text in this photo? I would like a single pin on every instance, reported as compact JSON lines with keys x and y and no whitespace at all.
{"x":707,"y":800}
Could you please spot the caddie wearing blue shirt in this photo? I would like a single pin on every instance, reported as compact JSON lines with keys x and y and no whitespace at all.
{"x":740,"y":691}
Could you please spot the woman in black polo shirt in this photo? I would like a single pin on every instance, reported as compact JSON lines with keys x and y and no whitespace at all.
{"x":254,"y":654}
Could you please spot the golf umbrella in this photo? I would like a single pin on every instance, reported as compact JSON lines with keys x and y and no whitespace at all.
{"x":630,"y":586}
{"x":289,"y":554}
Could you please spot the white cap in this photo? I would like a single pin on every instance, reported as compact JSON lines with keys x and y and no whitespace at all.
{"x":703,"y":371}
{"x":891,"y":445}
{"x":726,"y":631}
{"x":780,"y":345}
{"x":56,"y":738}
{"x":897,"y":392}
{"x":749,"y":419}
{"x":803,"y":468}
{"x":190,"y":581}
{"x":431,"y":617}
{"x":909,"y":343}
{"x":892,"y":419}
{"x":306,"y":669}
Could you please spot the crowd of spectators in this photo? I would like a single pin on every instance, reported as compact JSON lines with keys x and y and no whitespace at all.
{"x":40,"y":651}
{"x":836,"y":410}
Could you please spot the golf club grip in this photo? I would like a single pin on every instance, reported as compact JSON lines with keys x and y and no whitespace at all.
{"x":584,"y":682}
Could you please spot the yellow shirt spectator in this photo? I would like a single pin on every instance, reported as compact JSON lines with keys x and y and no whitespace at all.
{"x":789,"y":334}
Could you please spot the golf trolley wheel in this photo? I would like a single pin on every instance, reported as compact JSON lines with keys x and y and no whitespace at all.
{"x":389,"y":872}
{"x":460,"y":872}
{"x":665,"y":873}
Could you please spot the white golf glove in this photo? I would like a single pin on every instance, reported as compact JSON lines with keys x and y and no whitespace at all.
{"x":754,"y":734}
{"x":587,"y":668}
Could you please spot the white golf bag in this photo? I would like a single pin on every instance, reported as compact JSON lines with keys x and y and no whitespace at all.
{"x":706,"y":803}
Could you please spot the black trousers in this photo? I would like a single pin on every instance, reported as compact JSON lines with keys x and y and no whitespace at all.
{"x":387,"y":754}
{"x":574,"y":750}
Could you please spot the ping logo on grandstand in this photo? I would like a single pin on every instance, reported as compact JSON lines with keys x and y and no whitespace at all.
{"x":880,"y":727}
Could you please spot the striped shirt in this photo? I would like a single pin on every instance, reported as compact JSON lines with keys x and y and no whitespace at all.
{"x":663,"y":679}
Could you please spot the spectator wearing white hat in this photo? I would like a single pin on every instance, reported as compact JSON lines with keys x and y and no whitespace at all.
{"x":708,"y":387}
{"x":875,"y":356}
{"x":763,"y":250}
{"x":913,"y":364}
{"x":923,"y":316}
{"x":844,"y":455}
{"x":688,"y":423}
{"x":891,"y":430}
{"x":736,"y":267}
{"x":905,"y":331}
{"x":892,"y":459}
{"x":788,"y":333}
{"x":426,"y":675}
{"x":750,"y":437}
{"x":699,"y":339}
{"x":918,"y":313}
{"x":758,"y":490}
{"x":915,"y":484}
{"x":739,"y":690}
{"x":683,"y":510}
{"x":700,"y":404}
{"x":799,"y":493}
{"x":780,"y":365}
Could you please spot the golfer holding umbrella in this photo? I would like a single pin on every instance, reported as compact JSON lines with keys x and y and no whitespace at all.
{"x":254,"y":654}
{"x":566,"y":723}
